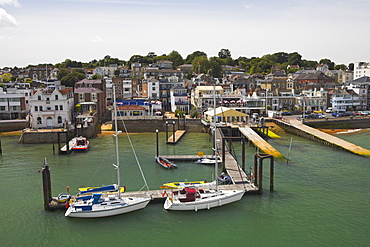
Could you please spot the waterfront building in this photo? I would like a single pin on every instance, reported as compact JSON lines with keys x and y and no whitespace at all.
{"x":12,"y":105}
{"x":361,"y":69}
{"x":51,"y":108}
{"x":89,"y":96}
{"x":179,"y":99}
{"x":345,"y":100}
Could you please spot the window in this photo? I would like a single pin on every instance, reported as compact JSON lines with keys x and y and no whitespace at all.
{"x":56,"y":107}
{"x":56,"y":97}
{"x":40,"y":107}
{"x":36,"y":108}
{"x":39,"y":121}
{"x":59,"y":120}
{"x":61,"y":107}
{"x":48,"y":108}
{"x":2,"y":108}
{"x":39,"y":97}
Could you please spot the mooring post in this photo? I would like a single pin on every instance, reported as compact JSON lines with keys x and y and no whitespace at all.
{"x":271,"y":173}
{"x":260,"y":161}
{"x":1,"y":149}
{"x":156,"y":139}
{"x":53,"y":148}
{"x":46,"y":185}
{"x":59,"y":147}
{"x":255,"y":171}
{"x":166,"y":131}
{"x":243,"y":154}
{"x":223,"y":149}
{"x":173,"y":131}
{"x":67,"y":143}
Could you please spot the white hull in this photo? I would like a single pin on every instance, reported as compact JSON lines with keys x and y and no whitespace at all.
{"x":206,"y":201}
{"x":206,"y":161}
{"x":98,"y":210}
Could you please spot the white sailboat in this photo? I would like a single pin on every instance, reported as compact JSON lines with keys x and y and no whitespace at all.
{"x":192,"y":198}
{"x":105,"y":201}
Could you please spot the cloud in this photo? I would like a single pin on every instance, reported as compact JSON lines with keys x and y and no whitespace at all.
{"x":97,"y":39}
{"x":7,"y":20}
{"x":10,"y":2}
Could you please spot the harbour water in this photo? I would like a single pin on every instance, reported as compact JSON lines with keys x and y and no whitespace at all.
{"x":321,"y":196}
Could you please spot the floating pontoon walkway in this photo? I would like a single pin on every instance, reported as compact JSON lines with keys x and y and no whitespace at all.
{"x":176,"y":136}
{"x":324,"y":138}
{"x":259,"y":142}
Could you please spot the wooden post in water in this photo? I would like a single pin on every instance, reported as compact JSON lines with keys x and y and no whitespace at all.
{"x":255,"y":171}
{"x":59,"y":147}
{"x":166,"y":131}
{"x":272,"y":173}
{"x":157,"y":143}
{"x":258,"y":158}
{"x":243,"y":154}
{"x":260,"y":162}
{"x":173,"y":131}
{"x":46,"y":185}
{"x":1,"y":149}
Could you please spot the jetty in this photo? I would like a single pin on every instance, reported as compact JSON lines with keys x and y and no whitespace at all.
{"x":259,"y":142}
{"x":297,"y":127}
{"x":175,"y":137}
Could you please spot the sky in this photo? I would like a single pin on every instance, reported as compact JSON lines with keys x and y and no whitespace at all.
{"x":50,"y":31}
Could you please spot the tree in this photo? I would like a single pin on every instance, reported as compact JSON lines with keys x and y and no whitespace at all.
{"x":224,"y":53}
{"x":70,"y":79}
{"x":62,"y":73}
{"x":327,"y":62}
{"x":191,"y":57}
{"x":295,"y":59}
{"x":340,"y":66}
{"x":351,"y":66}
{"x":201,"y":64}
{"x":7,"y":77}
{"x":176,"y":58}
{"x":193,"y":112}
{"x":215,"y":68}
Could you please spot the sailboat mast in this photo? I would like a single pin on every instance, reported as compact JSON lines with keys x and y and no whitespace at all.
{"x":116,"y":136}
{"x":215,"y":136}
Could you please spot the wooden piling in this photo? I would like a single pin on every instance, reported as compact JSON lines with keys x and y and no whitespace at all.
{"x":1,"y":149}
{"x":46,"y":185}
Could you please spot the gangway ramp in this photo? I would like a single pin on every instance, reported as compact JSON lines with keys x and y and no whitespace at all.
{"x":259,"y":142}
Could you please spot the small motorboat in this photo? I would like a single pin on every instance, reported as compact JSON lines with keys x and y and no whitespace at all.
{"x":224,"y":178}
{"x":165,"y":162}
{"x":207,"y":161}
{"x":80,"y":144}
{"x":180,"y":185}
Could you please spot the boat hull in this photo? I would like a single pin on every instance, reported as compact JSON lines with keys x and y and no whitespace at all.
{"x":204,"y":203}
{"x":101,"y":211}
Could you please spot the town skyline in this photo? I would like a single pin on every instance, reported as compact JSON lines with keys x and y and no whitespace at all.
{"x":42,"y":31}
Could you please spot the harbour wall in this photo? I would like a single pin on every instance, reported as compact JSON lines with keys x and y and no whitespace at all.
{"x":340,"y":123}
{"x":151,"y":125}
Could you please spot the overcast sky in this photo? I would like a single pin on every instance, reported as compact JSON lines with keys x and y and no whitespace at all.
{"x":50,"y":31}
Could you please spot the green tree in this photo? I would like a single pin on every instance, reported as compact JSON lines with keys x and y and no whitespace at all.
{"x":351,"y":66}
{"x":189,"y":59}
{"x":193,"y":112}
{"x":295,"y":59}
{"x":327,"y":62}
{"x":70,"y":79}
{"x":7,"y":77}
{"x":176,"y":58}
{"x":340,"y":66}
{"x":215,"y":67}
{"x":224,"y":53}
{"x":62,"y":73}
{"x":201,"y":64}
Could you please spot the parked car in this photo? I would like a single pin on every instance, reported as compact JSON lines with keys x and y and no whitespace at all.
{"x":337,"y":114}
{"x":286,"y":113}
{"x":318,"y":111}
{"x":329,"y":110}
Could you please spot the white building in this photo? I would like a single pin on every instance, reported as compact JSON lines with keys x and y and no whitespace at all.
{"x":361,"y":69}
{"x":179,"y":99}
{"x":51,"y":108}
{"x":12,"y":105}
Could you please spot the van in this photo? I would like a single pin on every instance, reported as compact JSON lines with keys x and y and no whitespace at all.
{"x":330,"y":109}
